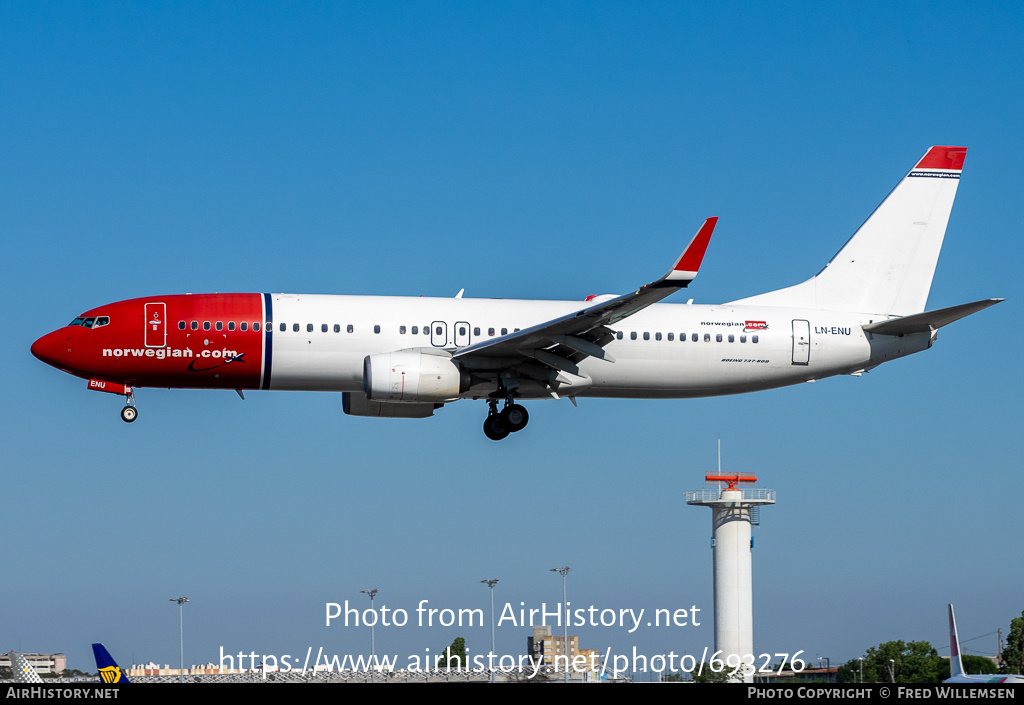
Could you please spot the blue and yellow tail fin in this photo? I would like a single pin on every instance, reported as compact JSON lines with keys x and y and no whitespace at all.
{"x":110,"y":672}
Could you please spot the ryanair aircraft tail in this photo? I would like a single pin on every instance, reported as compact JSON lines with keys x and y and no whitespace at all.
{"x":110,"y":672}
{"x":886,"y":268}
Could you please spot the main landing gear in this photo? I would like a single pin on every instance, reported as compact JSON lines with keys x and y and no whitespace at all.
{"x":513,"y":417}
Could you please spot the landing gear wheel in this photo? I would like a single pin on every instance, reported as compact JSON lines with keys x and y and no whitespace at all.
{"x":515,"y":417}
{"x":129,"y":414}
{"x":494,"y":428}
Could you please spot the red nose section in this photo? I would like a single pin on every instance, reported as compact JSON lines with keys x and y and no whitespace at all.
{"x":52,"y":349}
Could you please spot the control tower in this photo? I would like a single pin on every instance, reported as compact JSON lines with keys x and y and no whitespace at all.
{"x":733,"y":512}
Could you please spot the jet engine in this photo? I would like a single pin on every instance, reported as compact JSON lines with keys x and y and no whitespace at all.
{"x":413,"y":376}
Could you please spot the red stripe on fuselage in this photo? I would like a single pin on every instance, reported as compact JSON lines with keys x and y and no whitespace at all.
{"x":200,"y":358}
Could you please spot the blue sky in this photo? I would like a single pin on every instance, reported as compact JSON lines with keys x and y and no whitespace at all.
{"x":517,"y":150}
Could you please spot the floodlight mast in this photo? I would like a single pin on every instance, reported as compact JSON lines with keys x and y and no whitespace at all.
{"x":491,"y":583}
{"x":373,"y":654}
{"x":564,"y":571}
{"x":181,"y":638}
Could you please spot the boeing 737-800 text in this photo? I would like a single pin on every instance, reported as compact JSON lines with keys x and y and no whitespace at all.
{"x":408,"y":356}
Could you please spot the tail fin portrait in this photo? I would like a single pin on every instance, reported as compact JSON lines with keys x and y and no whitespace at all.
{"x":22,"y":670}
{"x":956,"y":666}
{"x":886,"y":268}
{"x":108,"y":669}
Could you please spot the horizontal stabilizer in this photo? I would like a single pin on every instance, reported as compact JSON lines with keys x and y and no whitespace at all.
{"x":929,"y":320}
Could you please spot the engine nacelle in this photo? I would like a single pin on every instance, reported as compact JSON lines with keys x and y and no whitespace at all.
{"x":413,"y":376}
{"x":355,"y":404}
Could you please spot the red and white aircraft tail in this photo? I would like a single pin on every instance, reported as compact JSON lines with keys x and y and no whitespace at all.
{"x":886,"y":268}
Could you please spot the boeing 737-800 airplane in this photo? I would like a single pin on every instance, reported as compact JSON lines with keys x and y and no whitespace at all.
{"x":407,"y":357}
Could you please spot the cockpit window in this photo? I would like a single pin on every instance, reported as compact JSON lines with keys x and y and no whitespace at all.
{"x":91,"y":322}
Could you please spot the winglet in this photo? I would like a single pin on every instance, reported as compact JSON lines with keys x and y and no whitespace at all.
{"x":686,"y":267}
{"x":109,"y":671}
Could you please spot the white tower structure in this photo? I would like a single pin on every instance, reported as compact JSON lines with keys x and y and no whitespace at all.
{"x":733,"y":512}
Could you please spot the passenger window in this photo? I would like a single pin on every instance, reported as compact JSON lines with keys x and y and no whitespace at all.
{"x":181,"y":325}
{"x":337,"y":327}
{"x":718,"y":338}
{"x":401,"y":330}
{"x":476,"y":331}
{"x":657,"y":336}
{"x":206,"y":325}
{"x":647,"y":336}
{"x":350,"y":328}
{"x":462,"y":330}
{"x":220,"y":325}
{"x":504,"y":331}
{"x":245,"y":326}
{"x":256,"y":326}
{"x":732,"y":338}
{"x":632,"y":335}
{"x":284,"y":327}
{"x":438,"y":330}
{"x":323,"y":327}
{"x":618,"y":335}
{"x":516,"y":330}
{"x":295,"y":327}
{"x":707,"y":337}
{"x":671,"y":337}
{"x":415,"y":330}
{"x":693,"y":337}
{"x":231,"y":325}
{"x":490,"y":332}
{"x":753,"y":339}
{"x":376,"y":329}
{"x":309,"y":327}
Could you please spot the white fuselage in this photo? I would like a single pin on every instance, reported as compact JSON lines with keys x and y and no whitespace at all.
{"x":737,"y":348}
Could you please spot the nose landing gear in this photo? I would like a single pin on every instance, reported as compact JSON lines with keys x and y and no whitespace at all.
{"x":129,"y":413}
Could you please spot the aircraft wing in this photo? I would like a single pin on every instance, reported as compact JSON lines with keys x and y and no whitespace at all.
{"x":558,"y":344}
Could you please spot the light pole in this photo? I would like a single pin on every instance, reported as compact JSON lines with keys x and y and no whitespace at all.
{"x":564,"y":571}
{"x":491,"y":584}
{"x":373,"y":653}
{"x":181,"y":637}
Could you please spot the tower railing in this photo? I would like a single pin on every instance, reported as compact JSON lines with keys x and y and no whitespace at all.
{"x":712,"y":494}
